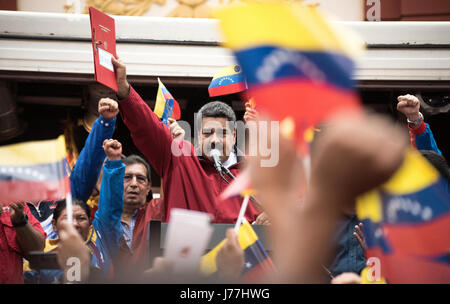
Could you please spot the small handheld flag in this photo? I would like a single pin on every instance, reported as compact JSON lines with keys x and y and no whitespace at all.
{"x":257,"y":264}
{"x":166,"y":106}
{"x":228,"y":80}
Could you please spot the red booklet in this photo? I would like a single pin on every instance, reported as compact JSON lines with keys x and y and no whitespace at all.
{"x":104,"y":46}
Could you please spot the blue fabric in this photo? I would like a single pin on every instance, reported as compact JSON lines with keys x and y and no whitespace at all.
{"x":425,"y":141}
{"x":349,"y":254}
{"x":107,"y":222}
{"x":88,"y":165}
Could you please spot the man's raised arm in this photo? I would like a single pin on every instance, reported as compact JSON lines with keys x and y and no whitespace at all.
{"x":149,"y":134}
{"x":87,"y":168}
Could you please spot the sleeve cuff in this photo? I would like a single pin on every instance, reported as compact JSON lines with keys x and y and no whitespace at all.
{"x":131,"y":93}
{"x":106,"y":122}
{"x":113,"y":163}
{"x":420,"y":129}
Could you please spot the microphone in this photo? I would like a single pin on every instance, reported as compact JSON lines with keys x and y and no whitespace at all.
{"x":215,"y":154}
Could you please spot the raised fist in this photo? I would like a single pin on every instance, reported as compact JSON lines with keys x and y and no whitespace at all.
{"x":409,"y":105}
{"x":113,"y":149}
{"x":108,"y":108}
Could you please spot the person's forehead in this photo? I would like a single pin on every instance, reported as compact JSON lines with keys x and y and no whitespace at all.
{"x":76,"y":209}
{"x":137,"y":168}
{"x":215,"y":122}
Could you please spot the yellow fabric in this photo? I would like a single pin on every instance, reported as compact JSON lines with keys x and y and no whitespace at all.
{"x":368,"y":206}
{"x":246,"y":237}
{"x":33,"y":153}
{"x":365,"y":277}
{"x":93,"y":201}
{"x":227,"y":71}
{"x":297,"y":27}
{"x":415,"y":174}
{"x":160,"y":101}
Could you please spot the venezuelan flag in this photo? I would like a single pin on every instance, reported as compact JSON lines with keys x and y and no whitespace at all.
{"x":406,"y":223}
{"x":34,"y":171}
{"x":166,"y":106}
{"x":228,"y":80}
{"x":257,"y":264}
{"x":295,"y":62}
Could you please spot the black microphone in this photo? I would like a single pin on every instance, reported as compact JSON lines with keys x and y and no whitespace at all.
{"x":215,"y":154}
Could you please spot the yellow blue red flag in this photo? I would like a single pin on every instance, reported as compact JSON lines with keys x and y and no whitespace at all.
{"x":166,"y":106}
{"x":228,"y":80}
{"x":406,"y":223}
{"x":34,"y":171}
{"x":296,"y":63}
{"x":257,"y":264}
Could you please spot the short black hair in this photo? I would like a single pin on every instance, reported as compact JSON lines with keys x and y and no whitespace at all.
{"x":216,"y":109}
{"x":438,"y":161}
{"x":136,"y":159}
{"x":61,"y":206}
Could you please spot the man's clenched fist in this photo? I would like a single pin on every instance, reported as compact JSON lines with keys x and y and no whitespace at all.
{"x":113,"y":149}
{"x":108,"y":108}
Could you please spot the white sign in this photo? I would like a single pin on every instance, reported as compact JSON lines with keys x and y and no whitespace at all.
{"x":105,"y":59}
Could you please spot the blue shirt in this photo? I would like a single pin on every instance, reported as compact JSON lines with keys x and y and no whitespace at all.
{"x":128,"y":229}
{"x":349,"y":253}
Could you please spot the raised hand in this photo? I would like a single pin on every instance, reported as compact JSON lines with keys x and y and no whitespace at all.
{"x":262,"y":219}
{"x":250,"y":113}
{"x":409,"y":105}
{"x":16,"y":211}
{"x":121,"y":76}
{"x":113,"y":149}
{"x":108,"y":108}
{"x":176,"y":131}
{"x":359,"y":235}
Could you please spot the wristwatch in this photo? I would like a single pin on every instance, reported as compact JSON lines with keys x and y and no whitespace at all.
{"x":22,"y":222}
{"x":415,"y":123}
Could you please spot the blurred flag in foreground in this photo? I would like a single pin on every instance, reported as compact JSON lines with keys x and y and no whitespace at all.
{"x":296,"y":63}
{"x":34,"y":171}
{"x":257,"y":264}
{"x":228,"y":80}
{"x":166,"y":106}
{"x":406,"y":223}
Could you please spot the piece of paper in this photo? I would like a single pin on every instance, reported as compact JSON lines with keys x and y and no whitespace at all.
{"x":188,"y":235}
{"x":105,"y":59}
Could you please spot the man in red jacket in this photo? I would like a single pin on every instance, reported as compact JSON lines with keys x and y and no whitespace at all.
{"x":189,"y":182}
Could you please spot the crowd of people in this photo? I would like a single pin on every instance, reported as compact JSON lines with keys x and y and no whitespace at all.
{"x":310,"y":217}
